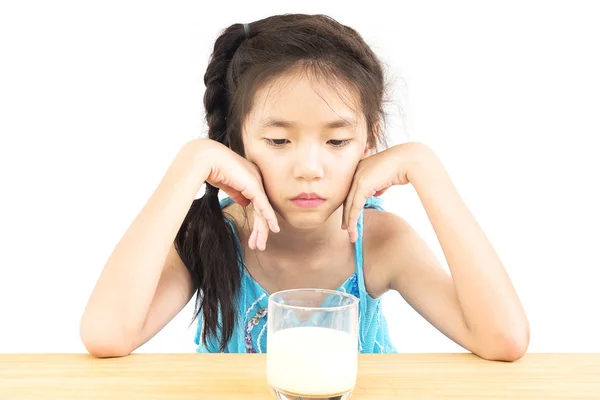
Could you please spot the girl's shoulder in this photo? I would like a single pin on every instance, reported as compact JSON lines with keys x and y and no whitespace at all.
{"x":382,"y":233}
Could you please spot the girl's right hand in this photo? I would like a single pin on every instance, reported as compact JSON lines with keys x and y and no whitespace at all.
{"x":242,"y":181}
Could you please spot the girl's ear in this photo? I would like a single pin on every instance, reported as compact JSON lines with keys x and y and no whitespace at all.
{"x":370,"y":149}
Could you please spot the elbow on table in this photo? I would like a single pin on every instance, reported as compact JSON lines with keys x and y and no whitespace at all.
{"x":509,"y":346}
{"x":105,"y":350}
{"x":103,"y":344}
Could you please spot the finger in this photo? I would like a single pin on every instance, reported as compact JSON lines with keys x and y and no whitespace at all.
{"x":261,"y":204}
{"x":345,"y":206}
{"x":256,"y":229}
{"x":358,"y":202}
{"x":255,"y":194}
{"x":263,"y":233}
{"x":270,"y":218}
{"x":264,"y":208}
{"x":348,"y":203}
{"x":344,"y":212}
{"x":251,"y":240}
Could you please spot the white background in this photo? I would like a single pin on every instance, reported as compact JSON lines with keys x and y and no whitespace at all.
{"x":96,"y":98}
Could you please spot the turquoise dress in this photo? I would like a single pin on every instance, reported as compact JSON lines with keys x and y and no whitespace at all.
{"x":250,"y":331}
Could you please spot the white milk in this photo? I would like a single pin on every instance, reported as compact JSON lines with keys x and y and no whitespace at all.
{"x":312,"y":361}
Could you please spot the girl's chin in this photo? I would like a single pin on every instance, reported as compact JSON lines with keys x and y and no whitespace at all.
{"x":305,"y":220}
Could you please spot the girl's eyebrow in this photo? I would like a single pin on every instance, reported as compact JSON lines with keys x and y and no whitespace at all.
{"x":282,"y":123}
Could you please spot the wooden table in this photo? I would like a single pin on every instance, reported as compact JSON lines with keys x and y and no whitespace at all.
{"x":234,"y":376}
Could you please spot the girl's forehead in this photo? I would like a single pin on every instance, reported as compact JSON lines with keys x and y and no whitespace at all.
{"x":305,"y":99}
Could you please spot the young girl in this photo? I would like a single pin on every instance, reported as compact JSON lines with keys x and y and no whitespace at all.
{"x":294,"y":110}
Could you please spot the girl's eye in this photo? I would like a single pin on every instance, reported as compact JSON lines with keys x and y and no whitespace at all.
{"x":339,"y":143}
{"x":276,"y":142}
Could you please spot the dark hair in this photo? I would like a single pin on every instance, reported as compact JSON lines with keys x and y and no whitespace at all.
{"x":244,"y":58}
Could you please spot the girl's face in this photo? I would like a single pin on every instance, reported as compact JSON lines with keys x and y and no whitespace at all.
{"x":307,"y":139}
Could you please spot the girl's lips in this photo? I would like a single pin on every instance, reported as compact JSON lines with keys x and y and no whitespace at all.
{"x":307,"y":203}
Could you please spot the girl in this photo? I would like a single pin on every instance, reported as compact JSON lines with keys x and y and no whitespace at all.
{"x":294,"y":110}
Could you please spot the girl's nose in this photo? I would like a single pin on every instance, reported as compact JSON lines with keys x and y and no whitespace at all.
{"x":308,"y":164}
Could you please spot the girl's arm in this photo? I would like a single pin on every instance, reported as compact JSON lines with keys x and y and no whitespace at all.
{"x":114,"y":322}
{"x":476,"y":304}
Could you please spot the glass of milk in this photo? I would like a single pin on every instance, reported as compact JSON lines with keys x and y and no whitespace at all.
{"x":312,"y":344}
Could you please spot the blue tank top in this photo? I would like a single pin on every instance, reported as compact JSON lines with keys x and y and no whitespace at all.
{"x":250,"y":331}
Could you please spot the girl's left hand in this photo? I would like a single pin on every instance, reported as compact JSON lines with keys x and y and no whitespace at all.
{"x":373,"y":176}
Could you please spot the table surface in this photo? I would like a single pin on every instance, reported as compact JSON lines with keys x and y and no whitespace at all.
{"x":243,"y":376}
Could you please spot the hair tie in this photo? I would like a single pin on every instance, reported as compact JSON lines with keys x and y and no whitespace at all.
{"x":211,"y":190}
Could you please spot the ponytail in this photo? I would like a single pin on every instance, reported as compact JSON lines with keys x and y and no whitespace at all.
{"x":206,"y":244}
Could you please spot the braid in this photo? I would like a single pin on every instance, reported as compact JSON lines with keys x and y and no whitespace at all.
{"x":216,"y":99}
{"x":205,"y":242}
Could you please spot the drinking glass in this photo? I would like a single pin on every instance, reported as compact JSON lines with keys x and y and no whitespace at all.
{"x":312,"y":344}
